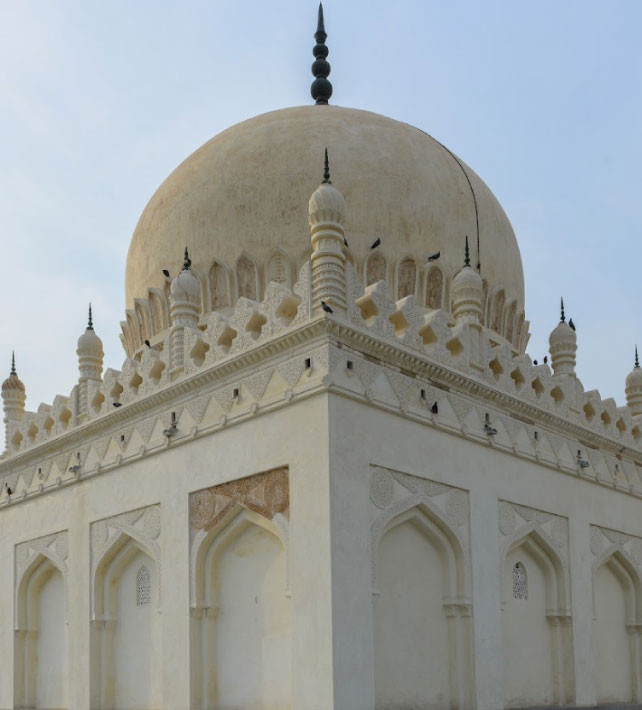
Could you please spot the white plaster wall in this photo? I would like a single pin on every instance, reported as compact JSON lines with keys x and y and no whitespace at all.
{"x":612,"y":642}
{"x":252,"y":627}
{"x":137,"y":640}
{"x":412,"y":661}
{"x":51,"y":645}
{"x":526,"y":637}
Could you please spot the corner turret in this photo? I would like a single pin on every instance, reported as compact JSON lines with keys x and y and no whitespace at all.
{"x":633,"y":387}
{"x":13,"y":398}
{"x":563,"y":346}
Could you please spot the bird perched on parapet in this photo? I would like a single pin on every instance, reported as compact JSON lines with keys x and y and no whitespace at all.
{"x":435,"y":256}
{"x":345,"y":241}
{"x":326,"y":308}
{"x":166,"y":273}
{"x":376,"y":243}
{"x":545,"y":359}
{"x":535,"y":362}
{"x":149,"y":345}
{"x":435,"y":408}
{"x":117,"y":404}
{"x":571,"y":324}
{"x":9,"y":491}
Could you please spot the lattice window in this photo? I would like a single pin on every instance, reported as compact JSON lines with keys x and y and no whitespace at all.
{"x":520,"y":585}
{"x":143,"y":586}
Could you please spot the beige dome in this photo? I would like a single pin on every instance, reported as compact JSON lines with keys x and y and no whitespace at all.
{"x":246,"y":193}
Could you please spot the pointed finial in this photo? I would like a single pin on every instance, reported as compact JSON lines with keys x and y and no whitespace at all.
{"x":326,"y":169}
{"x":637,"y":359}
{"x":562,"y":316}
{"x":321,"y":88}
{"x":90,"y":321}
{"x":187,"y":262}
{"x":467,"y":253}
{"x":13,"y":363}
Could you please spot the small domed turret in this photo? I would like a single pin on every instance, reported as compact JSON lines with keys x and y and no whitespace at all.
{"x":13,"y":383}
{"x":634,"y":387}
{"x":467,"y":292}
{"x":90,"y":352}
{"x":563,"y":346}
{"x":185,"y":287}
{"x":185,"y":301}
{"x":13,"y":398}
{"x":327,"y":210}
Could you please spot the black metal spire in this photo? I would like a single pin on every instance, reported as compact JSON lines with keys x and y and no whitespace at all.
{"x":187,"y":262}
{"x":562,"y":316}
{"x":321,"y":88}
{"x":467,"y":253}
{"x":637,"y":359}
{"x":90,"y":321}
{"x":326,"y":170}
{"x":13,"y":363}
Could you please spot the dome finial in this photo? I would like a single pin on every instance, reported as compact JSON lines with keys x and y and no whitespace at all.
{"x":13,"y":363}
{"x":326,"y":170}
{"x":321,"y":88}
{"x":187,"y":262}
{"x":90,"y":320}
{"x":637,"y":359}
{"x":562,"y":316}
{"x":467,"y":253}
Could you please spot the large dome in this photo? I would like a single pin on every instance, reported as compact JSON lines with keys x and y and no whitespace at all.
{"x":245,"y":194}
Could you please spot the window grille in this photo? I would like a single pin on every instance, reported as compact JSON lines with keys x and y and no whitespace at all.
{"x":520,"y":586}
{"x":143,"y":586}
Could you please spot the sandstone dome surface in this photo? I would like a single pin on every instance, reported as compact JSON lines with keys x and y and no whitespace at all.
{"x":246,"y":192}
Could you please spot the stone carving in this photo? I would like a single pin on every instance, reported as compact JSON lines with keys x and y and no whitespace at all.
{"x":604,"y":540}
{"x":52,"y":546}
{"x":517,"y":520}
{"x":381,"y":487}
{"x":406,"y":278}
{"x":507,"y":518}
{"x":265,"y":493}
{"x":434,"y":288}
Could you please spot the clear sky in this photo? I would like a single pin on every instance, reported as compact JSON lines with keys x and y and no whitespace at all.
{"x":101,"y":100}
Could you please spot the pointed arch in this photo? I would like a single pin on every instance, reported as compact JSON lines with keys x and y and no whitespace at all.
{"x":247,"y":278}
{"x":40,"y":650}
{"x":225,"y":610}
{"x":279,"y":268}
{"x":406,"y":278}
{"x":142,"y":319}
{"x":134,"y":329}
{"x":375,"y":268}
{"x":497,"y":310}
{"x":617,"y":606}
{"x":219,"y":285}
{"x":125,"y":657}
{"x":484,"y":318}
{"x":421,"y":609}
{"x":435,"y":288}
{"x":509,"y":328}
{"x":159,"y":310}
{"x":539,"y":611}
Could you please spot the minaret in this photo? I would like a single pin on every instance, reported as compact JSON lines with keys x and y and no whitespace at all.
{"x":634,"y":387}
{"x":327,"y":210}
{"x":13,"y":398}
{"x":467,"y":292}
{"x":321,"y":88}
{"x":90,"y":364}
{"x":563,"y":346}
{"x":185,"y":300}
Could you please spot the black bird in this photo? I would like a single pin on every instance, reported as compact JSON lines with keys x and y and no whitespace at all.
{"x":345,"y":241}
{"x":571,"y":324}
{"x":9,"y":491}
{"x":326,"y":308}
{"x":149,"y":345}
{"x":376,"y":243}
{"x":545,"y":359}
{"x":435,"y":408}
{"x":534,"y":362}
{"x":435,"y":256}
{"x":166,"y":273}
{"x":117,"y":404}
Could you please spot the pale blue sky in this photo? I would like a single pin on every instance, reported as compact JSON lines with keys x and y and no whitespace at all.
{"x":101,"y":100}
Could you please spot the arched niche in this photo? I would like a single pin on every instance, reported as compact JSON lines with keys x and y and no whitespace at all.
{"x":126,"y":632}
{"x":537,"y":666}
{"x":142,"y":320}
{"x":421,"y":618}
{"x":247,"y":278}
{"x":406,"y":278}
{"x":241,"y":618}
{"x":616,"y":615}
{"x":434,"y":288}
{"x":158,"y":310}
{"x":484,"y":318}
{"x":375,"y":268}
{"x":510,"y":322}
{"x":497,"y":311}
{"x":219,"y":285}
{"x":134,"y":329}
{"x":279,"y":268}
{"x":40,"y":651}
